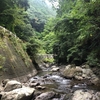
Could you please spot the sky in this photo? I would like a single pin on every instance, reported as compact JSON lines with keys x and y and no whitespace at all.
{"x":48,"y":3}
{"x":55,"y":4}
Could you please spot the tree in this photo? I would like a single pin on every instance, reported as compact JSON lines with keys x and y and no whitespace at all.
{"x":77,"y":32}
{"x":11,"y":13}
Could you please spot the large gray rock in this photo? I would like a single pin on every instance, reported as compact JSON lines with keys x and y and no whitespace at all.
{"x":24,"y":93}
{"x":11,"y":85}
{"x":45,"y":96}
{"x":80,"y":95}
{"x":86,"y":95}
{"x":70,"y":72}
{"x":87,"y":73}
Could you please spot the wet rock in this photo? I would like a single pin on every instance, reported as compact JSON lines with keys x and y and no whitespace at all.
{"x":11,"y":85}
{"x":45,"y":76}
{"x":46,"y":96}
{"x":42,"y":80}
{"x":55,"y":99}
{"x":24,"y":93}
{"x":25,"y":84}
{"x":40,"y":87}
{"x":34,"y":84}
{"x":29,"y":76}
{"x":55,"y":69}
{"x":37,"y":93}
{"x":37,"y":80}
{"x":4,"y":82}
{"x":79,"y":86}
{"x":97,"y":95}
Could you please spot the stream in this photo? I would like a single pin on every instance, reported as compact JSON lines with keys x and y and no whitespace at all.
{"x":53,"y":81}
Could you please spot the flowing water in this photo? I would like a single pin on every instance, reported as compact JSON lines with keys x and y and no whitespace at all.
{"x":53,"y":81}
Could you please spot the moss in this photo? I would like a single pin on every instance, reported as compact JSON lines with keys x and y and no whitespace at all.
{"x":2,"y":44}
{"x":1,"y":67}
{"x":2,"y":60}
{"x":1,"y":33}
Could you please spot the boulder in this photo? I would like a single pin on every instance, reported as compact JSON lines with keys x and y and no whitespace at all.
{"x":71,"y":72}
{"x":55,"y":99}
{"x":34,"y":84}
{"x":54,"y":66}
{"x":55,"y":69}
{"x":85,"y":66}
{"x":95,"y":81}
{"x":24,"y":93}
{"x":11,"y":85}
{"x":46,"y":96}
{"x":86,"y":95}
{"x":40,"y":87}
{"x":80,"y":95}
{"x":97,"y":95}
{"x":87,"y":73}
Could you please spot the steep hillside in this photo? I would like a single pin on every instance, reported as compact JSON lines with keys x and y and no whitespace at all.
{"x":38,"y":12}
{"x":14,"y":61}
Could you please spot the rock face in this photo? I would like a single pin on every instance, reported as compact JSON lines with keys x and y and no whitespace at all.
{"x":14,"y":61}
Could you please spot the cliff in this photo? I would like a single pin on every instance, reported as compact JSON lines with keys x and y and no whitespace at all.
{"x":14,"y":61}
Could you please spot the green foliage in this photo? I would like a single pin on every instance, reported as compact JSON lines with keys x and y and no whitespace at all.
{"x":77,"y":29}
{"x":11,"y":14}
{"x":24,"y":32}
{"x":49,"y":40}
{"x":92,"y":59}
{"x":73,"y":36}
{"x":32,"y":48}
{"x":48,"y":60}
{"x":39,"y":13}
{"x":48,"y":37}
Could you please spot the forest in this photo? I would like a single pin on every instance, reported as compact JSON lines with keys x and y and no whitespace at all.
{"x":70,"y":31}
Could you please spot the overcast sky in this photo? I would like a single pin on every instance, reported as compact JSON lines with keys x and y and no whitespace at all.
{"x":55,"y":4}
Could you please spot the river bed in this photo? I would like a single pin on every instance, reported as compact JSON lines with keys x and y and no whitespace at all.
{"x":53,"y":81}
